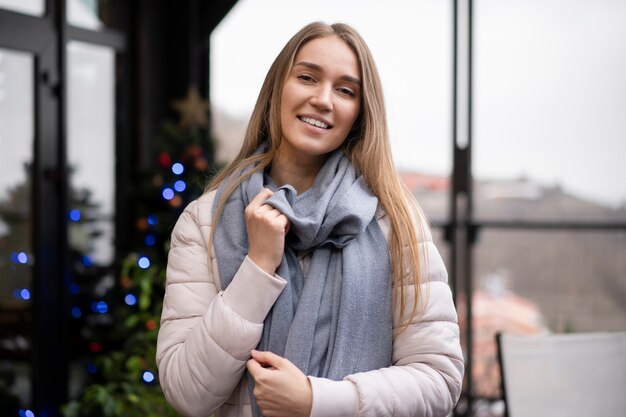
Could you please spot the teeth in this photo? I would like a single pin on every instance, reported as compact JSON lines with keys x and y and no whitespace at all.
{"x":314,"y":122}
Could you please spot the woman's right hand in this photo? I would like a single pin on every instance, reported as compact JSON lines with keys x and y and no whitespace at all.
{"x":266,"y":227}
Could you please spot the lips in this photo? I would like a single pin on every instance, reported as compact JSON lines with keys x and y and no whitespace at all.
{"x":314,"y":122}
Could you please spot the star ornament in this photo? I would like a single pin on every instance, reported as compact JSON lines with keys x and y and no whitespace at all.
{"x":192,"y":109}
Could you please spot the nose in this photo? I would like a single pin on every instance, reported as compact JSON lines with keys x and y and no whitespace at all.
{"x":322,"y":98}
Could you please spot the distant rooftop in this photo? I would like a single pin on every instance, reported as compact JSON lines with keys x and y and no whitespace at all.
{"x":510,"y":199}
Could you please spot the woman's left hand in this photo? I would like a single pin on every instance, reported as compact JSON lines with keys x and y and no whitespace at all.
{"x":280,"y":388}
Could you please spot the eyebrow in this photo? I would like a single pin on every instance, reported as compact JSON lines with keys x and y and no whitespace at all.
{"x":320,"y":69}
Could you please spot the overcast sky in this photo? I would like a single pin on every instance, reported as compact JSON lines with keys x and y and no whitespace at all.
{"x":549,"y":85}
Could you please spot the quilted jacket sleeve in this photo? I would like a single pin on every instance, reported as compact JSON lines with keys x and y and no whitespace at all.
{"x":427,"y":371}
{"x":206,"y":335}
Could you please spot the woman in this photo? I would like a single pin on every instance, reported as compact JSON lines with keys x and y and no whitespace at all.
{"x":292,"y":283}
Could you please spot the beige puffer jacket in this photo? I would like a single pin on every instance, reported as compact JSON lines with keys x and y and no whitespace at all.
{"x":207,"y":334}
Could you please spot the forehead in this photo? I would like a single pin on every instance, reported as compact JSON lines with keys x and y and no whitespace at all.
{"x":332,"y":54}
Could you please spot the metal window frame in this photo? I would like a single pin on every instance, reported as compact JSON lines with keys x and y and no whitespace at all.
{"x":46,"y":38}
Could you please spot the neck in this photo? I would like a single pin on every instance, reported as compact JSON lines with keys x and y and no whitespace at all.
{"x":297,"y":172}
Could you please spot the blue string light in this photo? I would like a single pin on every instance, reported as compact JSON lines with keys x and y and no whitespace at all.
{"x":130,"y":299}
{"x":149,"y":240}
{"x":99,"y":307}
{"x":21,"y":294}
{"x":148,"y":377}
{"x":102,"y":307}
{"x":22,"y":258}
{"x":87,"y":261}
{"x":152,"y":220}
{"x":180,"y":186}
{"x":178,"y":168}
{"x":74,"y":288}
{"x":75,"y":215}
{"x":168,"y":193}
{"x":26,"y":413}
{"x":143,"y":262}
{"x":76,"y":313}
{"x":91,"y":368}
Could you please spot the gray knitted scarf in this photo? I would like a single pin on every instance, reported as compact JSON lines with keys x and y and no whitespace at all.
{"x":337,"y":321}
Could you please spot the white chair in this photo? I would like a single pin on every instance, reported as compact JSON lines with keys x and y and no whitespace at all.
{"x":576,"y":374}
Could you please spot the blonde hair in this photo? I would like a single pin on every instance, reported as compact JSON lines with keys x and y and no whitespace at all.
{"x":367,"y":146}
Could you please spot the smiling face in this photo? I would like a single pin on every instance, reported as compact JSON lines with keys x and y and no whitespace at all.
{"x":320,"y":99}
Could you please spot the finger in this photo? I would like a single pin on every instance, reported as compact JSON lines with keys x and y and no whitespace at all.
{"x":260,"y":198}
{"x":270,"y":210}
{"x":266,"y":210}
{"x":254,"y":367}
{"x":266,"y":358}
{"x":283,"y":223}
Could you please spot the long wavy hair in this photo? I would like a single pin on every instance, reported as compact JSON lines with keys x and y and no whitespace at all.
{"x":367,"y":146}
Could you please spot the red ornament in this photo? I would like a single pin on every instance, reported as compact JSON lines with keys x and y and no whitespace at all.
{"x":165,"y":159}
{"x":126,"y":282}
{"x":151,"y":324}
{"x":200,"y":164}
{"x":176,"y":201}
{"x":142,"y":224}
{"x":95,"y":347}
{"x":194,"y":151}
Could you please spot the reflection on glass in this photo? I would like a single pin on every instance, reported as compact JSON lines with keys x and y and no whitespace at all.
{"x":550,"y":99}
{"x":84,"y":14}
{"x":16,"y":246}
{"x":532,"y":281}
{"x":91,"y":149}
{"x":32,"y":7}
{"x":91,"y":160}
{"x":415,"y":72}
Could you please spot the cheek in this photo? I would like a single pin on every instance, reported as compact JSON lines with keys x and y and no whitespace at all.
{"x":290,"y":93}
{"x":285,"y":108}
{"x":284,"y":100}
{"x":352,"y":114}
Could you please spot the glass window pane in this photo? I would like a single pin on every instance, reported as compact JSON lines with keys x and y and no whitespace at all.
{"x":91,"y":102}
{"x":550,"y":99}
{"x":528,"y":281}
{"x":95,"y":14}
{"x":91,"y":160}
{"x":91,"y":140}
{"x":84,"y":14}
{"x":32,"y":7}
{"x":411,"y":43}
{"x":16,"y":222}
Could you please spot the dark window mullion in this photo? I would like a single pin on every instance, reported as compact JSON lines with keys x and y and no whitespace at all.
{"x":106,"y":37}
{"x":25,"y":33}
{"x":49,"y":358}
{"x":50,"y":379}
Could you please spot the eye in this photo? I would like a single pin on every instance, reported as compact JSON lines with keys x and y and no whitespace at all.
{"x":346,"y":91}
{"x":306,"y":78}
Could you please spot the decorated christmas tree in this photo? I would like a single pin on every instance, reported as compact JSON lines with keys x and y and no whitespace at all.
{"x":121,"y":327}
